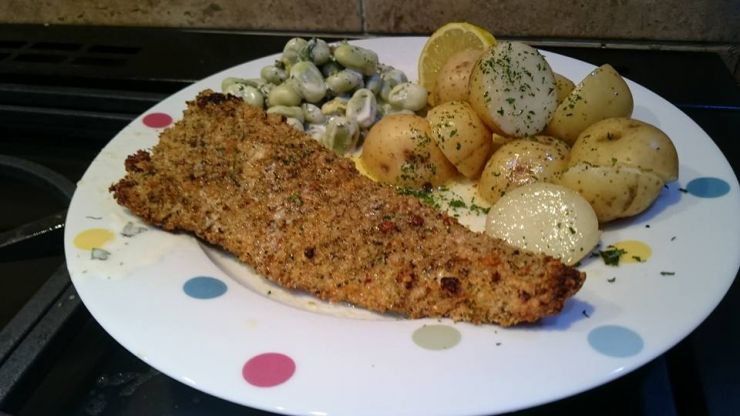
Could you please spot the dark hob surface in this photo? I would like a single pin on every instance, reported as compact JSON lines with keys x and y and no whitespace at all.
{"x":66,"y":91}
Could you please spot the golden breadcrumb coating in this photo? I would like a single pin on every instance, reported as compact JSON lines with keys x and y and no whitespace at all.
{"x":306,"y":219}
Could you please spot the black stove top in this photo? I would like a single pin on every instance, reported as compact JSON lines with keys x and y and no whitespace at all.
{"x":66,"y":91}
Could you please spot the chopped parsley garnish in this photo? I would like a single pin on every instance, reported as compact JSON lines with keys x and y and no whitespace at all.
{"x":612,"y":255}
{"x":457,"y":203}
{"x":612,"y":280}
{"x":442,"y":198}
{"x":424,"y":196}
{"x":478,"y":209}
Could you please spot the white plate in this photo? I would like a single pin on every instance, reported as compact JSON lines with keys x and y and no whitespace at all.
{"x":309,"y":358}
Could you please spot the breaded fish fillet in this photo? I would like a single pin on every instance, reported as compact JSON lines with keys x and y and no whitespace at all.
{"x":306,"y":219}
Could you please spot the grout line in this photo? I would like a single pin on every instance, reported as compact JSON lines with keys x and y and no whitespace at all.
{"x":363,"y":16}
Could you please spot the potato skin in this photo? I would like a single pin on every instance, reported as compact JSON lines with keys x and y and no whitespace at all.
{"x":613,"y":191}
{"x":399,"y":150}
{"x":602,"y":94}
{"x":452,"y":81}
{"x":461,"y":135}
{"x":520,"y":162}
{"x":564,"y":86}
{"x":620,"y":166}
{"x":627,"y":142}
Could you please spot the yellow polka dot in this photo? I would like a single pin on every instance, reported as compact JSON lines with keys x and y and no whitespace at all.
{"x":93,"y":238}
{"x":636,"y":251}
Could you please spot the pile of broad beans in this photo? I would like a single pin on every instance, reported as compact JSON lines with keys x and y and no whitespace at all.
{"x":334,"y":93}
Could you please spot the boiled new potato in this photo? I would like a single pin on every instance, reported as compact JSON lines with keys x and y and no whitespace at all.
{"x":512,"y":88}
{"x":522,"y":161}
{"x":462,"y":137}
{"x":545,"y":218}
{"x":563,"y":86}
{"x":452,"y":81}
{"x":602,"y":94}
{"x":627,"y":142}
{"x":620,"y":166}
{"x":399,"y":150}
{"x":613,"y":191}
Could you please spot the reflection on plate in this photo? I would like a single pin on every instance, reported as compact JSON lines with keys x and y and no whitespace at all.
{"x":204,"y":319}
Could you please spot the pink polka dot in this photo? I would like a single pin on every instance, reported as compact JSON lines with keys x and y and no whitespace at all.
{"x":157,"y":120}
{"x":268,"y":370}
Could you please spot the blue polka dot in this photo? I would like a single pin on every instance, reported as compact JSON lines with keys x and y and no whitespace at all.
{"x":708,"y":187}
{"x":204,"y":287}
{"x":615,"y":341}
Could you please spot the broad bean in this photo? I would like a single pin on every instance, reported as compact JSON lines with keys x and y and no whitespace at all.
{"x":318,"y":51}
{"x":354,"y":57}
{"x":362,"y":108}
{"x":308,"y":80}
{"x":344,"y":81}
{"x":342,"y":135}
{"x":316,"y":131}
{"x":409,"y":96}
{"x":273,"y":74}
{"x":337,"y":106}
{"x":312,"y":114}
{"x":295,"y":123}
{"x":287,"y":111}
{"x":284,"y":94}
{"x":294,"y":51}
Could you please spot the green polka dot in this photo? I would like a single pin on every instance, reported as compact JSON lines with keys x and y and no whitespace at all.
{"x":436,"y":337}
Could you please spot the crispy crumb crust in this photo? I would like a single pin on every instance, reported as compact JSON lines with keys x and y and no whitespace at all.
{"x":306,"y":219}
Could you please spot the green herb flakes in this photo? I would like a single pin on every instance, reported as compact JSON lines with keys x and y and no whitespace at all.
{"x":611,"y":255}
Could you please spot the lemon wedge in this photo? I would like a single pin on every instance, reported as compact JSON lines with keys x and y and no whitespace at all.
{"x":446,"y":41}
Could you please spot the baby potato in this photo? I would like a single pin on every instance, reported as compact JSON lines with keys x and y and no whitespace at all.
{"x":613,"y":191}
{"x":452,"y":81}
{"x":399,"y":150}
{"x":512,"y":88}
{"x":602,"y":94}
{"x":462,"y":137}
{"x":620,"y":166}
{"x":627,"y":142}
{"x":545,"y":218}
{"x":522,"y":161}
{"x":563,"y":86}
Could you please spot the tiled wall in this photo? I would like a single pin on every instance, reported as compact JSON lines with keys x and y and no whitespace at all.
{"x":667,"y":23}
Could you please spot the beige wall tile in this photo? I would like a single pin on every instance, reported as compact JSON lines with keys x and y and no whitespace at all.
{"x":284,"y":15}
{"x":654,"y":20}
{"x":701,"y":20}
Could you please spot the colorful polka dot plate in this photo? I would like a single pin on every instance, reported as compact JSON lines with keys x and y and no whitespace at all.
{"x":202,"y":318}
